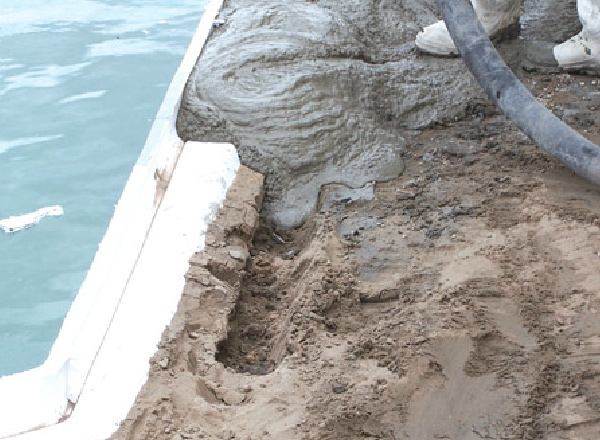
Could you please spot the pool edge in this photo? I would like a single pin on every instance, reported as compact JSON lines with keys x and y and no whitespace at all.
{"x":40,"y":398}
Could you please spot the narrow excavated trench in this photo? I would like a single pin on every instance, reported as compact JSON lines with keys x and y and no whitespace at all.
{"x":286,"y":274}
{"x":255,"y":328}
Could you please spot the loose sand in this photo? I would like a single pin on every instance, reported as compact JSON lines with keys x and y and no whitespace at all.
{"x":458,"y":301}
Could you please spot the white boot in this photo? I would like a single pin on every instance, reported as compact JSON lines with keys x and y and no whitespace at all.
{"x":497,"y":16}
{"x":583,"y":50}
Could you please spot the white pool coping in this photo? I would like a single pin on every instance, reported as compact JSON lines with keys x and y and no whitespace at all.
{"x":99,"y":361}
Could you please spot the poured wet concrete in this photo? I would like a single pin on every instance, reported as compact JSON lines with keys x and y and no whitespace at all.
{"x":551,"y":21}
{"x":320,"y":92}
{"x":333,"y":92}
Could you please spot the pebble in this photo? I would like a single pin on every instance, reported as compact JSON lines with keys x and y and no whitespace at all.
{"x":405,"y":195}
{"x":237,"y":255}
{"x":339,"y":388}
{"x":470,"y":160}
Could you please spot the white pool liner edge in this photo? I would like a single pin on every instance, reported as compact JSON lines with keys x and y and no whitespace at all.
{"x":88,"y":353}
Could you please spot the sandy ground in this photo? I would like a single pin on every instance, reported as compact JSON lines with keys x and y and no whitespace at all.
{"x":459,"y":301}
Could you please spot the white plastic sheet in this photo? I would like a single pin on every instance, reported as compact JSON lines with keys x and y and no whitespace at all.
{"x":23,"y":221}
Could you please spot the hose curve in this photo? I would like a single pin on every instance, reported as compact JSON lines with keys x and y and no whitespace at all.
{"x":546,"y":130}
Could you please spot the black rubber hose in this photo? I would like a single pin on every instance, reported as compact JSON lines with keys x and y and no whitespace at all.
{"x":545,"y":129}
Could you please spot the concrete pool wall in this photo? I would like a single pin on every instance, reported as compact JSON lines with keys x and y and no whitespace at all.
{"x":100,"y":359}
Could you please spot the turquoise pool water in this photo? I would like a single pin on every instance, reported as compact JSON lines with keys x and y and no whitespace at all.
{"x":80,"y":81}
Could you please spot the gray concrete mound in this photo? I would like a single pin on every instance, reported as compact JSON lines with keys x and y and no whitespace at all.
{"x":317,"y":92}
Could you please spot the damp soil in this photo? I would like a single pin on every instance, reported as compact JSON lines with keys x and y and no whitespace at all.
{"x":459,"y":300}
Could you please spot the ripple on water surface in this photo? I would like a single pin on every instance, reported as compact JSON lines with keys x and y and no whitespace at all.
{"x":80,"y":82}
